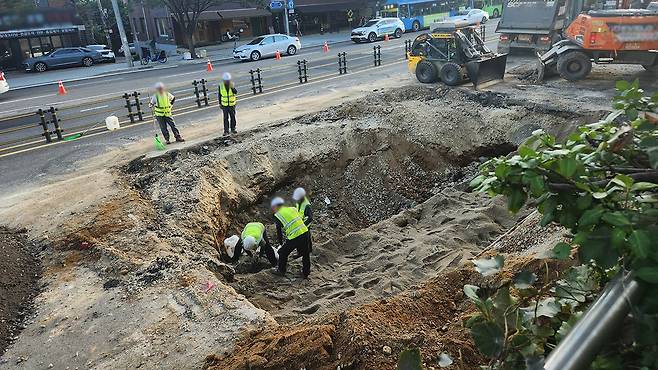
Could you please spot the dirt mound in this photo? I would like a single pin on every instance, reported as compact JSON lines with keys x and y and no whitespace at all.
{"x":20,"y":271}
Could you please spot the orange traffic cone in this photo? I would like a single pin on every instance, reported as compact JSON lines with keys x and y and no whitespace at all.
{"x":61,"y":88}
{"x":277,"y":55}
{"x":325,"y":47}
{"x":209,"y":66}
{"x":386,"y":38}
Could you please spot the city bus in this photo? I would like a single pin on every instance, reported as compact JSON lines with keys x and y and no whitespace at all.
{"x":493,"y":7}
{"x":418,"y":14}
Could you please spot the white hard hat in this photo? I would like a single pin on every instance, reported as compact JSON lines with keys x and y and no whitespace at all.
{"x":298,"y":194}
{"x":249,"y":243}
{"x":230,"y":244}
{"x":158,"y":85}
{"x":276,"y":201}
{"x":226,"y":76}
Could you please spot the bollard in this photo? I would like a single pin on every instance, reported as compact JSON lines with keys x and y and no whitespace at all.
{"x":256,"y":81}
{"x":44,"y":124}
{"x":204,"y":90}
{"x":195,"y":83}
{"x":407,"y":48}
{"x":377,"y":54}
{"x":138,"y":105}
{"x":342,"y":63}
{"x":302,"y":70}
{"x":129,"y":106}
{"x":55,"y":121}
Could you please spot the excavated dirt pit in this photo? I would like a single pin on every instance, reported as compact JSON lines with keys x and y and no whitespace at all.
{"x":387,"y":177}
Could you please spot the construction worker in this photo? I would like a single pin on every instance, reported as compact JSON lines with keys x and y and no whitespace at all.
{"x":227,"y":98}
{"x":290,"y":223}
{"x":303,"y":206}
{"x":252,"y":241}
{"x":161,"y":103}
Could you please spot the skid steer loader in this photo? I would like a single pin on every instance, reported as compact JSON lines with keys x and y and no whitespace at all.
{"x":454,"y":52}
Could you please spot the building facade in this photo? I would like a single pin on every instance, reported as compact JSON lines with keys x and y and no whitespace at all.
{"x":38,"y":31}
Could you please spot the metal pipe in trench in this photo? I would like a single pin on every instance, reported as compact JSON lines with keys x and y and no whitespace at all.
{"x":597,"y":326}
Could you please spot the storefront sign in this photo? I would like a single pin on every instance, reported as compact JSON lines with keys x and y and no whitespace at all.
{"x":4,"y":35}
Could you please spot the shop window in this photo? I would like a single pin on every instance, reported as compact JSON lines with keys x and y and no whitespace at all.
{"x":161,"y":26}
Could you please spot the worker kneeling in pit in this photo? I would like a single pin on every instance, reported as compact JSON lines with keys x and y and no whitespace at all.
{"x":253,"y":242}
{"x":290,"y":223}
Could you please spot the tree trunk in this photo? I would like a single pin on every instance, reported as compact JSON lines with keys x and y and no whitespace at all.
{"x":190,"y":43}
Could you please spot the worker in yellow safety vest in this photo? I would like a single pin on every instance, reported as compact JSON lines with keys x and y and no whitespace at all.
{"x":253,"y":242}
{"x":290,"y":225}
{"x":161,"y":103}
{"x":303,"y":206}
{"x":227,"y":99}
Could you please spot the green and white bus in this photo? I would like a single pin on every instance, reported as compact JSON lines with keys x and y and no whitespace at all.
{"x":493,"y":7}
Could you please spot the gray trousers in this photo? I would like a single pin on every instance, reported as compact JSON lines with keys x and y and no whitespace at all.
{"x":163,"y":122}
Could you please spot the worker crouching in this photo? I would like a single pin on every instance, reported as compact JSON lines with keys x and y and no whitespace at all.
{"x":253,"y":241}
{"x":290,"y":224}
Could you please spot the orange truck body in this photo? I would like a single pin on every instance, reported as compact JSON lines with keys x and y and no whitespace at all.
{"x":615,"y":32}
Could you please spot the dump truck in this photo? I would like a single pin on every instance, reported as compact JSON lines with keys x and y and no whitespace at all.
{"x":622,"y":36}
{"x":454,"y":52}
{"x":534,"y":24}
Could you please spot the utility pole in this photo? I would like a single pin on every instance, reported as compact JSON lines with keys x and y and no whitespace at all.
{"x":122,"y":34}
{"x":103,"y":13}
{"x":135,"y":38}
{"x":285,"y":17}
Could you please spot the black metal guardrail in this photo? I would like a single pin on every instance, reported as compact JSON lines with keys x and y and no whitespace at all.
{"x":65,"y":121}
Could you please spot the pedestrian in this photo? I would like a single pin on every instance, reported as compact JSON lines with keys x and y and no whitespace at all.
{"x":227,"y":99}
{"x":253,"y":241}
{"x":303,"y":206}
{"x":161,"y":103}
{"x":290,"y":224}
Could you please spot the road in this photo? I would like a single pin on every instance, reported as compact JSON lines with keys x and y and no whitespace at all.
{"x":100,"y":97}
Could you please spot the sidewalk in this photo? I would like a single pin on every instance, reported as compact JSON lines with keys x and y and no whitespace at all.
{"x":224,"y":51}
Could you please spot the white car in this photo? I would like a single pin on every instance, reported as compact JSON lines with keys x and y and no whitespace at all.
{"x":267,"y":46}
{"x":107,"y":54}
{"x":378,"y":28}
{"x":4,"y":85}
{"x":470,"y":16}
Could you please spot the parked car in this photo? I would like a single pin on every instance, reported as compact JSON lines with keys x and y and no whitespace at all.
{"x":4,"y":85}
{"x":378,"y":28}
{"x":268,"y":45}
{"x":106,"y":52}
{"x":470,"y":16}
{"x":64,"y":57}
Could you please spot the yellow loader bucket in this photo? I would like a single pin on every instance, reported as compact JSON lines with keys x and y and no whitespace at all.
{"x":486,"y":70}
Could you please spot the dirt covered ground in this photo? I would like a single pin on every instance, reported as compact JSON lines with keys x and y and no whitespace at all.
{"x":134,"y":269}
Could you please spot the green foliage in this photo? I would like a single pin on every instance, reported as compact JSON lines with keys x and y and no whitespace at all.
{"x":601,"y":185}
{"x":410,"y":359}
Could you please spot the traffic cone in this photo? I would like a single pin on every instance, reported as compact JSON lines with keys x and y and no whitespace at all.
{"x":386,"y":38}
{"x":325,"y":47}
{"x":277,"y":55}
{"x":209,"y":66}
{"x":61,"y":88}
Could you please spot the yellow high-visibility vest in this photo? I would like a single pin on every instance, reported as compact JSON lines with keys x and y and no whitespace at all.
{"x":226,"y":96}
{"x":292,"y":221}
{"x":162,"y":105}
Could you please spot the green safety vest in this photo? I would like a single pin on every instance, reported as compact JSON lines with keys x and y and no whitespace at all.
{"x":292,"y":221}
{"x":162,"y":105}
{"x":301,"y":207}
{"x":226,"y":96}
{"x":255,"y":230}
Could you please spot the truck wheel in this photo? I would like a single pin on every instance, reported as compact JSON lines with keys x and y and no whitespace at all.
{"x":426,"y":72}
{"x":451,"y":74}
{"x":574,"y":65}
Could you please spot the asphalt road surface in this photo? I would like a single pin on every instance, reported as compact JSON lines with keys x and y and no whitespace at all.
{"x":87,"y":104}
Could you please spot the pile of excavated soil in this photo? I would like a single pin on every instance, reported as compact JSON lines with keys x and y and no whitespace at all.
{"x":19,"y":276}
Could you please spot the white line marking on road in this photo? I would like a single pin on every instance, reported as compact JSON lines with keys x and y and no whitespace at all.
{"x":94,"y":108}
{"x":26,"y":98}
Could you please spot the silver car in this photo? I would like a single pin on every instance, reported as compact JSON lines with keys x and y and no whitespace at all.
{"x":64,"y":57}
{"x":267,"y":46}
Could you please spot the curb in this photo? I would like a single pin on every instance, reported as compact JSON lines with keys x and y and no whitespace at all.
{"x":144,"y":68}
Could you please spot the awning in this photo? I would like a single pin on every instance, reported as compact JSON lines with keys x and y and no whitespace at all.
{"x":216,"y":15}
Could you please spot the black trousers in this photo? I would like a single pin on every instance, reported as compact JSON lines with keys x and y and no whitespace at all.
{"x":229,"y":112}
{"x":163,"y":122}
{"x":301,"y":244}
